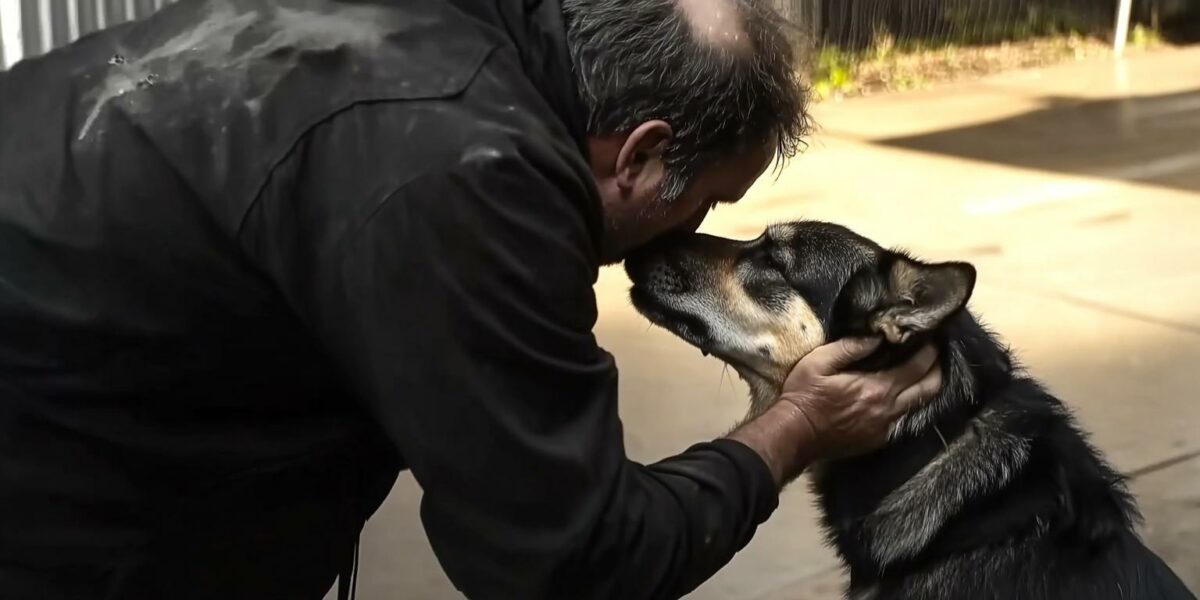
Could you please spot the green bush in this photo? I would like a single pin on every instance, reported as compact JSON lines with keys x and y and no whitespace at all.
{"x":834,"y":72}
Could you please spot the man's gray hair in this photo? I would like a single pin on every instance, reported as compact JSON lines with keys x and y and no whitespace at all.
{"x":639,"y":60}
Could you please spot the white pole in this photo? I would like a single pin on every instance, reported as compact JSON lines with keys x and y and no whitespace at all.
{"x":1122,"y":28}
{"x":46,"y":25}
{"x":10,"y":32}
{"x":72,"y":20}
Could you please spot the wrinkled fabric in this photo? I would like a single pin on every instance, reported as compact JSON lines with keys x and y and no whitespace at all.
{"x":256,"y":257}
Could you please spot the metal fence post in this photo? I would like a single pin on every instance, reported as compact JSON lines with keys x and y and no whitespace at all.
{"x":1124,"y":8}
{"x":10,"y":32}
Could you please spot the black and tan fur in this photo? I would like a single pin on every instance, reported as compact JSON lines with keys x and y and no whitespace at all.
{"x":988,"y":491}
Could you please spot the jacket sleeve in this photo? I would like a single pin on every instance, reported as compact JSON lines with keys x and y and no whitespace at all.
{"x":460,"y":308}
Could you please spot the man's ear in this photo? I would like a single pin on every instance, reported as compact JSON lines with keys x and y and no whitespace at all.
{"x":920,"y":296}
{"x":642,"y":150}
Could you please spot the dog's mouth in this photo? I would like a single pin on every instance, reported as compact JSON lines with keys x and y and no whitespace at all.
{"x":690,"y":328}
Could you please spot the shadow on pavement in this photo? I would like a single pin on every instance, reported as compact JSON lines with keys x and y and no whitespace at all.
{"x":1147,"y":139}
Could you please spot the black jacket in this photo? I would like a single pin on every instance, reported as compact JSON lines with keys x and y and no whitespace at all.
{"x":255,"y":257}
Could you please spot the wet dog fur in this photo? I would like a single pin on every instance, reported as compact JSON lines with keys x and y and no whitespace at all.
{"x":989,"y":490}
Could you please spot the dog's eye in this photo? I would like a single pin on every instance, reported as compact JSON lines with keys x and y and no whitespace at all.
{"x":767,"y":259}
{"x":777,"y":264}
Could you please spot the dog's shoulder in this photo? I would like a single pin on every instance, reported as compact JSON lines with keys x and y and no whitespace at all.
{"x":1093,"y":499}
{"x":1019,"y":470}
{"x":1063,"y":488}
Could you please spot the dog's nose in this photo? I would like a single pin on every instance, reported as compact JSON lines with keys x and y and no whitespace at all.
{"x":668,"y":278}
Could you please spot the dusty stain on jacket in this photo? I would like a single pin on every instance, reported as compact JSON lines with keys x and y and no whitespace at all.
{"x":207,"y":51}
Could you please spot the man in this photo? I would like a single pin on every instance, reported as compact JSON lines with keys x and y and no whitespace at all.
{"x":259,"y":256}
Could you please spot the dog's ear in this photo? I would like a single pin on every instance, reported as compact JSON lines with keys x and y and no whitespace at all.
{"x":920,"y":296}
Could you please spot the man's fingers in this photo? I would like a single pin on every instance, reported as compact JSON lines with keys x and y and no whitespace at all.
{"x":914,"y":395}
{"x":836,"y":356}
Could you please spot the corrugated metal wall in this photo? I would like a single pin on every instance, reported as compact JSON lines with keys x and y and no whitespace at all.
{"x":804,"y":14}
{"x":32,"y":27}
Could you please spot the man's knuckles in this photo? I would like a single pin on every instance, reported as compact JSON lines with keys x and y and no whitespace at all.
{"x":873,"y":392}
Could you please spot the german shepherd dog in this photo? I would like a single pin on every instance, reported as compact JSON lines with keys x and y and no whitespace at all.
{"x":988,"y":490}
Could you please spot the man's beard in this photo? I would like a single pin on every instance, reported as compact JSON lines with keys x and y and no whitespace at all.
{"x":616,"y":246}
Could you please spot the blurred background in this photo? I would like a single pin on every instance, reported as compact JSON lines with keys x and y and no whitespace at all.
{"x":1055,"y":144}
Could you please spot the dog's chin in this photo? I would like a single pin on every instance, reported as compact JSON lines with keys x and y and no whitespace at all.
{"x":764,"y":388}
{"x":756,"y":377}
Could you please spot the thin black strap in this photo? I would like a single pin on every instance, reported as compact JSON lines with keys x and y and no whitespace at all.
{"x":348,"y":577}
{"x":354,"y":574}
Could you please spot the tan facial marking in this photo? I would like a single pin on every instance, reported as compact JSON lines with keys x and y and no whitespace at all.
{"x":800,"y":332}
{"x":788,"y":335}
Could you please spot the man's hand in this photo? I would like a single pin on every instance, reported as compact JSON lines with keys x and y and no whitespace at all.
{"x":825,"y":413}
{"x":851,"y":413}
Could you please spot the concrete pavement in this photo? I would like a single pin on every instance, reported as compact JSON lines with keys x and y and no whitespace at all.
{"x":1075,"y":190}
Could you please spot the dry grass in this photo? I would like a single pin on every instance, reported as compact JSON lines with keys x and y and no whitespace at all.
{"x":887,"y":68}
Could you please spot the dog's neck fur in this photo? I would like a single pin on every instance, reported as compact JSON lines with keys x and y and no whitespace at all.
{"x":891,"y":511}
{"x":763,"y":393}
